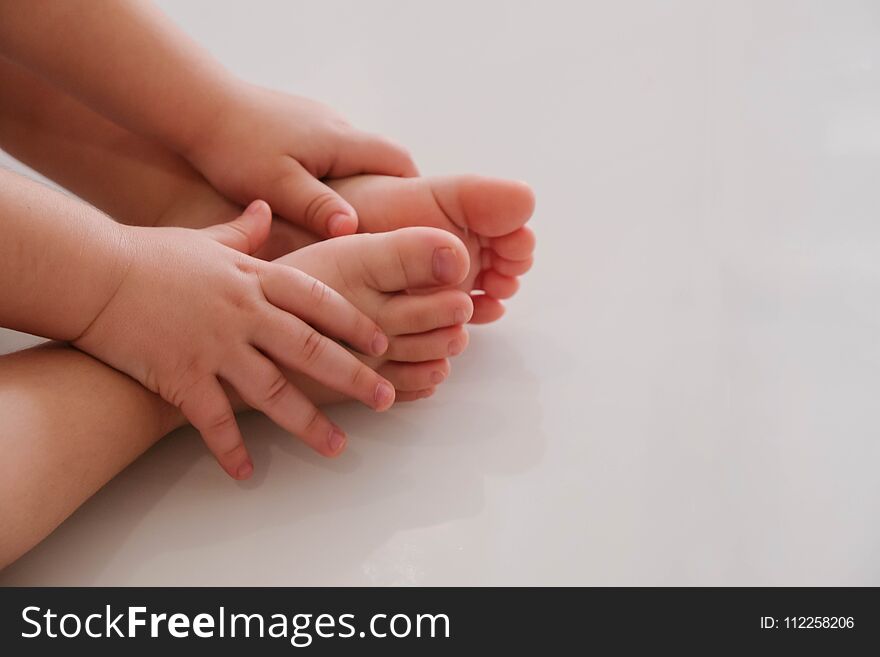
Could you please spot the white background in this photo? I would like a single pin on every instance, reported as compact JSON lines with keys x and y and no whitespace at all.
{"x":685,"y":391}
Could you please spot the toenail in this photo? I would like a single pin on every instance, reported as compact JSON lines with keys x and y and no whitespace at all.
{"x":437,"y":377}
{"x":380,"y":343}
{"x":336,"y":441}
{"x":245,"y":470}
{"x":445,"y":265}
{"x":461,"y":316}
{"x":384,"y":395}
{"x":455,"y":348}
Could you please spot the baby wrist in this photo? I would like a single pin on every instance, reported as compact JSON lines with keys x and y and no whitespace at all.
{"x":117,"y":252}
{"x":193,"y":137}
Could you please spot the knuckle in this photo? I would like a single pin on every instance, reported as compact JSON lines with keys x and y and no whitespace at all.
{"x":317,"y":206}
{"x":319,"y":293}
{"x":362,"y":329}
{"x":246,"y":294}
{"x":247,"y":265}
{"x":241,"y":301}
{"x":313,"y":422}
{"x":274,"y":392}
{"x":359,"y":376}
{"x":313,"y":346}
{"x":234,"y":454}
{"x":222,"y":421}
{"x":180,"y":387}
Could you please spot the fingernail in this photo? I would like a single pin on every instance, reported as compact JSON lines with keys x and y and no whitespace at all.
{"x":340,"y":224}
{"x":445,"y":265}
{"x":460,"y":316}
{"x":437,"y":377}
{"x":380,"y":343}
{"x":455,"y":348}
{"x":336,"y":441}
{"x":254,"y":207}
{"x":384,"y":395}
{"x":245,"y":470}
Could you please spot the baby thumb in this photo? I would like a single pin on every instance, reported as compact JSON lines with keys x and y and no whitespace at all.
{"x":247,"y":232}
{"x":302,"y":199}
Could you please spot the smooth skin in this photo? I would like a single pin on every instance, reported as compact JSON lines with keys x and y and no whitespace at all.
{"x":117,"y":291}
{"x":70,"y":423}
{"x":134,"y":178}
{"x":76,"y":423}
{"x":79,"y":407}
{"x":139,"y":182}
{"x":127,"y":61}
{"x":69,"y":411}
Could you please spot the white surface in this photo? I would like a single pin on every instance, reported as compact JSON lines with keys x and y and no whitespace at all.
{"x":684,"y":391}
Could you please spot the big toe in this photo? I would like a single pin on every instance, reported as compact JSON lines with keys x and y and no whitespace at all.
{"x":414,"y":258}
{"x":491,"y":207}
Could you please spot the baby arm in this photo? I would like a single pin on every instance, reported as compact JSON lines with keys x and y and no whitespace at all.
{"x":60,"y":261}
{"x":130,"y":63}
{"x":134,"y":179}
{"x":122,"y":56}
{"x":68,"y":424}
{"x":180,"y":310}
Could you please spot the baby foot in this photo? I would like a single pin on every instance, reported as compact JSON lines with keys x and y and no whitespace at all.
{"x":374,"y":272}
{"x":488,"y":214}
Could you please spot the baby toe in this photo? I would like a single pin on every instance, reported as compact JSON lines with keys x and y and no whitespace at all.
{"x":413,"y":258}
{"x":498,"y":286}
{"x":518,"y":245}
{"x":418,"y":313}
{"x":488,"y":206}
{"x":486,"y":309}
{"x":408,"y":395}
{"x":507,"y":267}
{"x":408,"y":377}
{"x":431,"y":345}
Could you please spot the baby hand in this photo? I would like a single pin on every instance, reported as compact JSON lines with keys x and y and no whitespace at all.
{"x":270,"y":145}
{"x":194,"y":309}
